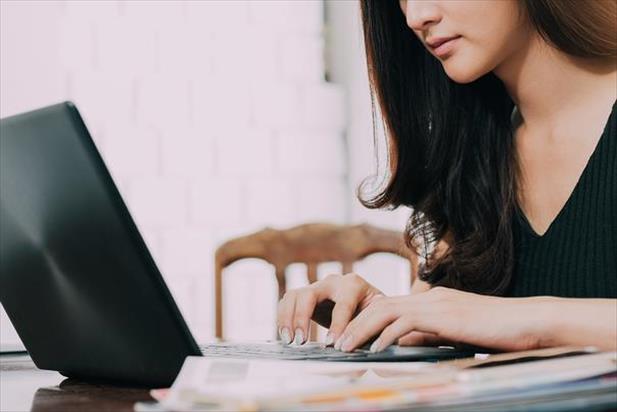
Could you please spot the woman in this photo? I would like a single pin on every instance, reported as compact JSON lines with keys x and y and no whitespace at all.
{"x":502,"y":126}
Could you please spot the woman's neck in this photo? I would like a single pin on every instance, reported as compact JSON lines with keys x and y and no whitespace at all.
{"x":550,"y":87}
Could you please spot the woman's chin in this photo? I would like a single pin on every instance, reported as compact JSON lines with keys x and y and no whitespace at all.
{"x":460,"y":71}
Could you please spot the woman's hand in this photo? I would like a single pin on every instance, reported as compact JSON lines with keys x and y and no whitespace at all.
{"x":450,"y":315}
{"x":332,"y":302}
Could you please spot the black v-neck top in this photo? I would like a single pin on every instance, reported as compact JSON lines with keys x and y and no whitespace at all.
{"x":577,"y":255}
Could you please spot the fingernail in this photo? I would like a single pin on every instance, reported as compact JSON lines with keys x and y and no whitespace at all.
{"x":285,"y":337}
{"x":329,"y":338}
{"x":376,"y":346}
{"x":346,"y":345}
{"x":299,"y":338}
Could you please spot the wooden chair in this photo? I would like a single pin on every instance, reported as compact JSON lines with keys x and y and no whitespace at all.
{"x":311,"y":244}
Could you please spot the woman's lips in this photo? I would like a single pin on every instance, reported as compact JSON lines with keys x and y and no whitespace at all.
{"x":444,"y":48}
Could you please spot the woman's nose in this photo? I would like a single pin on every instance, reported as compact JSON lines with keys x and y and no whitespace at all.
{"x":421,"y":14}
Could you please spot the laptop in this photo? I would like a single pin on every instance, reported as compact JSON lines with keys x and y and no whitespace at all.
{"x":76,"y":278}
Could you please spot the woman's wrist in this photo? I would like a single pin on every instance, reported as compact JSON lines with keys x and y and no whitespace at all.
{"x":559,"y":321}
{"x":543,"y":321}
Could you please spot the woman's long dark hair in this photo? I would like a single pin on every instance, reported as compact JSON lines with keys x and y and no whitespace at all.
{"x":452,"y":157}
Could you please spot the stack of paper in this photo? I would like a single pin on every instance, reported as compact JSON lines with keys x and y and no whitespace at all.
{"x":582,"y":380}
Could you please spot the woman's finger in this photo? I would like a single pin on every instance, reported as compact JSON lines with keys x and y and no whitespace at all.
{"x":367,"y":324}
{"x":400,"y":327}
{"x":284,"y":317}
{"x":303,"y":311}
{"x":347,"y":297}
{"x":286,"y":312}
{"x":342,"y":313}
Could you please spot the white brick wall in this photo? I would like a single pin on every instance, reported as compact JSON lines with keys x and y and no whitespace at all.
{"x":213,"y":117}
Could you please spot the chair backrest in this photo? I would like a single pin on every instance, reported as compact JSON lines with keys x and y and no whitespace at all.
{"x":312,"y":244}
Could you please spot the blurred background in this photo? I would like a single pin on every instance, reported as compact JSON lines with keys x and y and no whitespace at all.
{"x":216,"y":119}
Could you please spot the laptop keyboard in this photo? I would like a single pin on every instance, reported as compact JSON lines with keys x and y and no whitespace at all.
{"x":276,"y":350}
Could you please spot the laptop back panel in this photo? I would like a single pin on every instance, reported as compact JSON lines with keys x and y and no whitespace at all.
{"x":76,"y":278}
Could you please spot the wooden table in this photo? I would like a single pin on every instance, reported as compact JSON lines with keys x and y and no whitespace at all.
{"x":23,"y":387}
